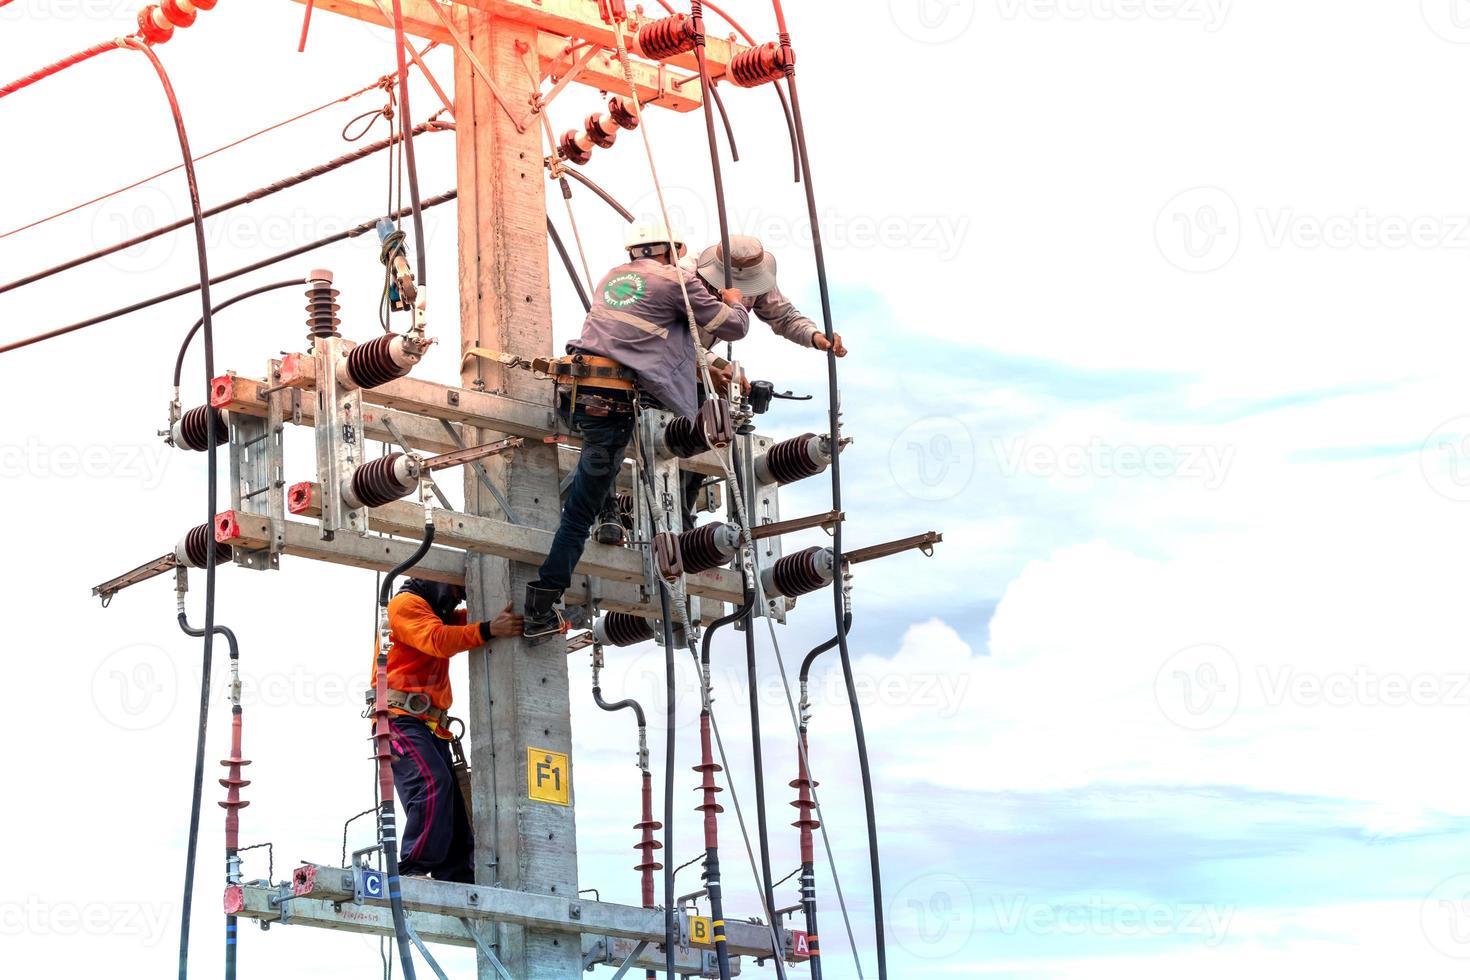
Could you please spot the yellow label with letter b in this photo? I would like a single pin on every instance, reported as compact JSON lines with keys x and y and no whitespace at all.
{"x":701,"y":932}
{"x":548,"y":776}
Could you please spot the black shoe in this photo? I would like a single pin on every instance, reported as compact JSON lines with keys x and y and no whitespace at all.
{"x":609,"y":532}
{"x":542,"y":619}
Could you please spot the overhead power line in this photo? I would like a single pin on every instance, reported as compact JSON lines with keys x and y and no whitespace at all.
{"x":362,"y":229}
{"x":255,"y":195}
{"x":380,"y":83}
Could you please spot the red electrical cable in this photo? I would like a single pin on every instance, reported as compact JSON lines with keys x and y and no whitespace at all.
{"x":61,"y":65}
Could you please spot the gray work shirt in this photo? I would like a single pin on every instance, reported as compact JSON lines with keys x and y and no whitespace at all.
{"x":638,"y":319}
{"x":784,"y":319}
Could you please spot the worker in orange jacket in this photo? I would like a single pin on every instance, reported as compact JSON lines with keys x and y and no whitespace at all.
{"x":428,"y":628}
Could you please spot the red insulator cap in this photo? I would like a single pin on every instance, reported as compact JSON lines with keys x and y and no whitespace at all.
{"x":205,"y":4}
{"x":598,"y":135}
{"x":180,"y":13}
{"x":153,"y":25}
{"x":572,"y":150}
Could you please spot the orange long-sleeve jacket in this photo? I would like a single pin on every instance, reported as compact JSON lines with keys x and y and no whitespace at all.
{"x":420,"y":648}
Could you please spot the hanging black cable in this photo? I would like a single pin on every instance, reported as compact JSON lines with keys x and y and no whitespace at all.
{"x":587,"y":182}
{"x":231,"y":853}
{"x":566,"y":260}
{"x":387,"y":827}
{"x":712,"y":856}
{"x":213,"y":463}
{"x":250,"y":198}
{"x":697,"y":12}
{"x":806,"y":802}
{"x":834,"y":431}
{"x":714,"y":91}
{"x":401,"y":45}
{"x":671,"y":719}
{"x":189,"y":337}
{"x":341,"y":236}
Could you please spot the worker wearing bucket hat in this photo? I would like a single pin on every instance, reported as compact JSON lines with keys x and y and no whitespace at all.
{"x":753,"y":271}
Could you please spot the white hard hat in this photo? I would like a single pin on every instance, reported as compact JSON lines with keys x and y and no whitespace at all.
{"x":642,"y":233}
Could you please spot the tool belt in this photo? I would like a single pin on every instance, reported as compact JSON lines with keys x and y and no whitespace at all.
{"x":416,"y":703}
{"x":585,"y":371}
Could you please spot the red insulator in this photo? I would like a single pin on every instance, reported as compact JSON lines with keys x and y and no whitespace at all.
{"x":191,"y":431}
{"x":647,"y":844}
{"x":622,"y":112}
{"x":707,"y":768}
{"x":321,"y":306}
{"x":795,"y":459}
{"x":205,"y":4}
{"x":622,"y":630}
{"x":708,"y":546}
{"x":757,"y":66}
{"x":153,"y":25}
{"x":717,"y":423}
{"x":383,"y":481}
{"x":572,"y":149}
{"x":683,"y":437}
{"x":798,"y":574}
{"x":180,"y":13}
{"x":665,"y":38}
{"x":667,"y":557}
{"x":193,"y":550}
{"x":598,"y":135}
{"x":804,"y":784}
{"x":372,"y":364}
{"x":233,"y":783}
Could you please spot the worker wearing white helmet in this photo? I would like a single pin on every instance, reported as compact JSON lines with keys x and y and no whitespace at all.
{"x":639,"y":323}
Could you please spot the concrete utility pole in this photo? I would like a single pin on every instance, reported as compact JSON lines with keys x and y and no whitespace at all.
{"x":519,"y":707}
{"x":519,"y":704}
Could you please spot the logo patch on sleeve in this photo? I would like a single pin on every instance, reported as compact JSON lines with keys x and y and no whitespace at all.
{"x":623,"y":291}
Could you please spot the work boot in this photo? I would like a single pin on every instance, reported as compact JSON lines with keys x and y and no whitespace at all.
{"x":542,"y":619}
{"x":609,"y":531}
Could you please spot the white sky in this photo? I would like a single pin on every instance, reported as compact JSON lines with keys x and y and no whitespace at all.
{"x":1157,"y":311}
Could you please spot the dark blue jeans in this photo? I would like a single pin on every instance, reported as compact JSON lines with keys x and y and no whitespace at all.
{"x":605,"y":441}
{"x":437,"y":837}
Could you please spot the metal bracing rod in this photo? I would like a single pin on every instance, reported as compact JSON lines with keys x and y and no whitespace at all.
{"x":471,"y":454}
{"x":483,"y":475}
{"x":434,"y":487}
{"x":144,"y":572}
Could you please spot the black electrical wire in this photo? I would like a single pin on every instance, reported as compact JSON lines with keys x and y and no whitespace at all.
{"x":806,"y":665}
{"x":697,"y":9}
{"x":566,"y":260}
{"x":758,"y":759}
{"x":671,"y":719}
{"x":342,"y":236}
{"x":834,"y":432}
{"x":387,"y":808}
{"x":400,"y":46}
{"x":213,"y":463}
{"x":231,"y":922}
{"x":587,"y":182}
{"x":619,"y":705}
{"x":189,"y":337}
{"x":714,"y":91}
{"x":250,"y":198}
